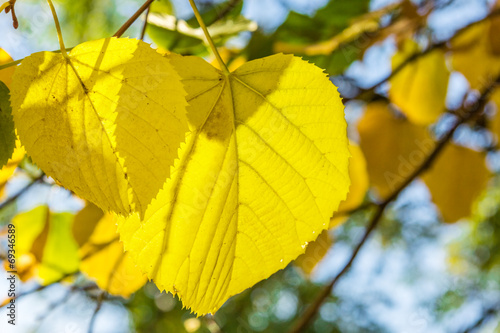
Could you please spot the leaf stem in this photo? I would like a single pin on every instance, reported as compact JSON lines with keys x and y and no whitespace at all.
{"x":58,"y":28}
{"x":17,"y":62}
{"x":209,"y":38}
{"x":143,"y":31}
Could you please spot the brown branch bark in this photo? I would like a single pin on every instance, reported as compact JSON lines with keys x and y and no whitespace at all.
{"x":132,"y":19}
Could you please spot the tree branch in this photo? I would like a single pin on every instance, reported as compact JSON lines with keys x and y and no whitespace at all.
{"x":100,"y":299}
{"x":21,"y":192}
{"x":463,"y":115}
{"x":485,"y":317}
{"x":95,"y":250}
{"x":132,"y":19}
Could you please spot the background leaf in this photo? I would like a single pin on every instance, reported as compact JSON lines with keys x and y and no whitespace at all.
{"x":457,"y":170}
{"x":102,"y":256}
{"x":393,"y":156}
{"x":420,"y":88}
{"x":7,"y":134}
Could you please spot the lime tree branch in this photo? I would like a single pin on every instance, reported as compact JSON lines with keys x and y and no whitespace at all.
{"x":465,"y":114}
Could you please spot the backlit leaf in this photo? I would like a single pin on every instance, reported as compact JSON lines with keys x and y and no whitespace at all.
{"x":476,"y":53}
{"x":262,"y":171}
{"x":393,"y":147}
{"x":7,"y":134}
{"x":185,"y":36}
{"x":455,"y":180}
{"x":419,"y":89}
{"x":106,"y":123}
{"x":359,"y":184}
{"x":102,"y":254}
{"x":47,"y":237}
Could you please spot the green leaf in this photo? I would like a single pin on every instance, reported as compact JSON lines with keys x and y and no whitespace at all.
{"x":7,"y":133}
{"x":48,"y":237}
{"x":263,"y":168}
{"x":300,"y":30}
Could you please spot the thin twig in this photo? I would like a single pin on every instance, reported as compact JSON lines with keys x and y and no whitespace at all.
{"x":100,"y":299}
{"x":466,"y":114}
{"x":21,"y":192}
{"x":132,"y":19}
{"x":485,"y":317}
{"x":143,"y":31}
{"x":225,"y":11}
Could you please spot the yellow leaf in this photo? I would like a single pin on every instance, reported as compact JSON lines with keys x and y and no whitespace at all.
{"x":315,"y":251}
{"x":106,"y":123}
{"x":6,"y":73}
{"x":419,"y":89}
{"x":494,"y":125}
{"x":103,"y":257}
{"x":262,"y":170}
{"x":359,"y":185}
{"x":47,"y":237}
{"x":393,"y":147}
{"x":455,"y":180}
{"x":85,"y":222}
{"x":8,"y":170}
{"x":476,"y":53}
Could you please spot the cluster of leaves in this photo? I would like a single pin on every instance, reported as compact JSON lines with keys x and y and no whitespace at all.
{"x":204,"y":168}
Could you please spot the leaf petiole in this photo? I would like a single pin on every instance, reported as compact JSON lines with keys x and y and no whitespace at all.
{"x":209,"y":38}
{"x":58,"y":28}
{"x":17,"y":62}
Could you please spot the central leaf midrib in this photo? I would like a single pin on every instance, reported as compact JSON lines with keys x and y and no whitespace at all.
{"x":178,"y":178}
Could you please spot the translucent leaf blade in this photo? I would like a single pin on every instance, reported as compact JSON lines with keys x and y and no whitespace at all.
{"x":106,"y":124}
{"x":262,"y":170}
{"x":102,"y":256}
